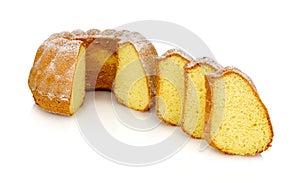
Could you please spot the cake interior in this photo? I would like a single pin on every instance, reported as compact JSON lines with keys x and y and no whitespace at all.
{"x":78,"y":86}
{"x":239,"y":121}
{"x":131,"y":83}
{"x":101,"y":58}
{"x":170,"y":90}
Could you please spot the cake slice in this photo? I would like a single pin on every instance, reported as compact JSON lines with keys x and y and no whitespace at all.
{"x":196,"y":91}
{"x":239,"y":122}
{"x":57,"y":77}
{"x":134,"y":83}
{"x":170,"y":86}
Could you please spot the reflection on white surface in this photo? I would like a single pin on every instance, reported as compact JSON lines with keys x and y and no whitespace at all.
{"x":118,"y":120}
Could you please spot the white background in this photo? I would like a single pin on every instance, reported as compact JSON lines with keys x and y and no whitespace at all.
{"x":262,"y":38}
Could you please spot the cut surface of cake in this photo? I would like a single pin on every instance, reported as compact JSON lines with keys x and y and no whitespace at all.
{"x":57,"y":78}
{"x":170,"y":86}
{"x":196,"y":91}
{"x":134,"y":85}
{"x":239,"y":122}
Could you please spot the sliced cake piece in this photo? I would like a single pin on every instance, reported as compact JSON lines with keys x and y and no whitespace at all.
{"x":135,"y":77}
{"x":170,"y":86}
{"x":239,"y":122}
{"x":57,"y":77}
{"x":196,"y":91}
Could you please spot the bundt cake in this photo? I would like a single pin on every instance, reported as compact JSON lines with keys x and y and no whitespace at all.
{"x":195,"y":107}
{"x":239,"y":122}
{"x":120,"y":60}
{"x":170,"y":86}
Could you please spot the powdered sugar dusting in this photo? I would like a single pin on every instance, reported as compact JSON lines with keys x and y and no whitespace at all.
{"x":70,"y":72}
{"x":205,"y":60}
{"x":93,"y":32}
{"x":222,"y":71}
{"x":52,"y":73}
{"x":50,"y":95}
{"x":79,"y":33}
{"x":51,"y":66}
{"x":63,"y":98}
{"x":178,"y":52}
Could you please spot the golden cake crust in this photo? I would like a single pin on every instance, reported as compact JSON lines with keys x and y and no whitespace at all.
{"x":221,"y":73}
